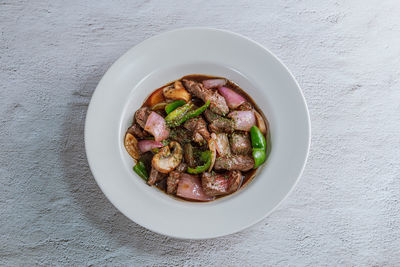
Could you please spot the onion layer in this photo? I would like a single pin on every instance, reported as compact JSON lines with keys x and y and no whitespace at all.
{"x":147,"y":145}
{"x":156,"y":125}
{"x":243,"y":120}
{"x":214,"y":83}
{"x":232,"y":98}
{"x":190,"y":187}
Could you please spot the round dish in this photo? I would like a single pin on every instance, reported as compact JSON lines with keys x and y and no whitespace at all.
{"x":167,"y":57}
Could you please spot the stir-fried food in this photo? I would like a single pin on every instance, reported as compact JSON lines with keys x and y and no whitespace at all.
{"x":198,"y":138}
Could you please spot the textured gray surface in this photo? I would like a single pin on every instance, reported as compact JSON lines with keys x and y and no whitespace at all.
{"x":345,"y":209}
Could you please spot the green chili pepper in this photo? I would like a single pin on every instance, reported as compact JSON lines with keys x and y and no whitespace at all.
{"x":259,"y":145}
{"x":206,"y":157}
{"x":177,"y":114}
{"x":259,"y":156}
{"x":257,"y":138}
{"x":140,"y":169}
{"x":193,"y":113}
{"x":174,"y":105}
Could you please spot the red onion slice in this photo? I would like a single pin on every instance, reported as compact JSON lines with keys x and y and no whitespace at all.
{"x":147,"y":145}
{"x":190,"y":187}
{"x":222,"y":144}
{"x":156,"y":125}
{"x":232,"y":98}
{"x":213,"y":83}
{"x":243,"y":120}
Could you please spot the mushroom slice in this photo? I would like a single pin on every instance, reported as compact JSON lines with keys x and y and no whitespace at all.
{"x":176,"y":92}
{"x":168,"y":158}
{"x":131,"y":146}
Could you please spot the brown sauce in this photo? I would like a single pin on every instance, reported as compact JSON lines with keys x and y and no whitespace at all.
{"x":249,"y":175}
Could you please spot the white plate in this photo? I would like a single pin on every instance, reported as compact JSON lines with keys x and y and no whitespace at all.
{"x":167,"y":57}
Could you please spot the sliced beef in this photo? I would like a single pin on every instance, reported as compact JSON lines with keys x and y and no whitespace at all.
{"x":174,"y":177}
{"x":240,"y":143}
{"x":216,"y":184}
{"x":141,"y":116}
{"x":189,"y":155}
{"x":221,"y":125}
{"x":155,"y":176}
{"x":210,"y":116}
{"x":218,"y":124}
{"x":137,"y":131}
{"x":217,"y":101}
{"x":234,"y":162}
{"x":199,"y":128}
{"x":180,"y":134}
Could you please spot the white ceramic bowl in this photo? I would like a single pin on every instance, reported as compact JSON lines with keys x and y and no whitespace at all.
{"x":167,"y":57}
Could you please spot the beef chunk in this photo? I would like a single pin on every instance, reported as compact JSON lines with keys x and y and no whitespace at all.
{"x":173,"y":178}
{"x":199,"y":128}
{"x":234,"y":162}
{"x":210,"y":116}
{"x":215,"y":184}
{"x":155,"y":176}
{"x":141,"y":116}
{"x":218,"y":124}
{"x":217,"y":101}
{"x":137,"y":131}
{"x":240,"y":143}
{"x":221,"y":125}
{"x":180,"y":135}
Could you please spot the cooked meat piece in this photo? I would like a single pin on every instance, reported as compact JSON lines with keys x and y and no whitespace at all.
{"x":234,"y":162}
{"x":137,"y":131}
{"x":155,"y":176}
{"x":215,"y":184}
{"x":141,"y":116}
{"x":245,"y":106}
{"x":217,"y":101}
{"x":221,"y":125}
{"x":210,"y":116}
{"x":173,"y":181}
{"x":235,"y":181}
{"x":240,"y":143}
{"x":173,"y":178}
{"x":217,"y":123}
{"x":199,"y":128}
{"x":188,"y":154}
{"x":180,"y":135}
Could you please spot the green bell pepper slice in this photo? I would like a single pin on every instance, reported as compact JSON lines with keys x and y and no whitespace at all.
{"x":140,"y":169}
{"x":174,"y":105}
{"x":259,"y":145}
{"x":173,"y":117}
{"x":259,"y":157}
{"x":205,"y":157}
{"x":193,"y":113}
{"x":257,"y":138}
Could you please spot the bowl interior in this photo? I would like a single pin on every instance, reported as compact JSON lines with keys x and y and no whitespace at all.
{"x":160,"y":77}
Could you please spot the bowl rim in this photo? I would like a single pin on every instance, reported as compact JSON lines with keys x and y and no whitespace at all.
{"x":117,"y":62}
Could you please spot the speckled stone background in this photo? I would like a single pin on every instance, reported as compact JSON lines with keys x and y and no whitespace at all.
{"x":345,"y":210}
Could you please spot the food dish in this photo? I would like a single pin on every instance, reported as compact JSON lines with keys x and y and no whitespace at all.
{"x":198,"y":138}
{"x":167,"y":57}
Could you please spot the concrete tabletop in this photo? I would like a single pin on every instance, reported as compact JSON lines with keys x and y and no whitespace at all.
{"x":345,"y":210}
